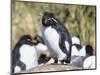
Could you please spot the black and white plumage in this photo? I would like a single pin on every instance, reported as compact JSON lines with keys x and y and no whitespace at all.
{"x":76,"y":58}
{"x":41,"y":49}
{"x":56,"y":37}
{"x":89,"y":61}
{"x":24,"y":54}
{"x":76,"y":46}
{"x":80,"y":54}
{"x":75,"y":50}
{"x":29,"y":52}
{"x":86,"y":50}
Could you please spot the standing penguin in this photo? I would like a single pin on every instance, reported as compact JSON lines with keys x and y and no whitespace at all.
{"x":24,"y":55}
{"x":57,"y":38}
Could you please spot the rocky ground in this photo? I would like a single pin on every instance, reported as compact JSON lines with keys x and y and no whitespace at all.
{"x":51,"y":68}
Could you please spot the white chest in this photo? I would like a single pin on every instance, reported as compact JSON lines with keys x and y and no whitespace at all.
{"x":82,"y":51}
{"x":52,"y":37}
{"x":28,"y":56}
{"x":89,"y":63}
{"x":74,"y":51}
{"x":41,"y":49}
{"x":52,"y":40}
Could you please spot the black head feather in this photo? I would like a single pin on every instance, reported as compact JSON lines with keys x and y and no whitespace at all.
{"x":48,"y":19}
{"x":89,"y":50}
{"x":25,"y":39}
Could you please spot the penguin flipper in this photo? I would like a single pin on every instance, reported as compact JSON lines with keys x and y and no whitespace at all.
{"x":21,"y":64}
{"x":62,"y":45}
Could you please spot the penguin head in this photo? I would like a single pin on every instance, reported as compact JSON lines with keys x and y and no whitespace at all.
{"x":89,"y":50}
{"x":24,"y":39}
{"x":37,"y":39}
{"x":48,"y":19}
{"x":86,"y":50}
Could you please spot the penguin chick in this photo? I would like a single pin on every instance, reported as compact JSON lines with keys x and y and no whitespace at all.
{"x":56,"y":37}
{"x":42,"y":51}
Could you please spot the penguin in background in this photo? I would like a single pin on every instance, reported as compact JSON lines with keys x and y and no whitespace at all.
{"x":76,"y":59}
{"x":89,"y":61}
{"x":79,"y":50}
{"x":76,"y":46}
{"x":79,"y":55}
{"x":56,"y":37}
{"x":42,"y":50}
{"x":23,"y":54}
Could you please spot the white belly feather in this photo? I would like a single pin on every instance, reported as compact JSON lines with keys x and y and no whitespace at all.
{"x":28,"y":56}
{"x":52,"y":40}
{"x":89,"y":63}
{"x":41,"y":49}
{"x":17,"y":69}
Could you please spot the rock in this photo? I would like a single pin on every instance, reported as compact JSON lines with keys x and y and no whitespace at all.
{"x":51,"y":67}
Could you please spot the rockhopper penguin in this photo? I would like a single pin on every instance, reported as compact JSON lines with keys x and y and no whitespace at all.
{"x":56,"y":37}
{"x":24,"y":54}
{"x":29,"y":52}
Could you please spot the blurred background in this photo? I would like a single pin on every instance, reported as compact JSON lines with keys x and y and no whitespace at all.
{"x":78,"y":19}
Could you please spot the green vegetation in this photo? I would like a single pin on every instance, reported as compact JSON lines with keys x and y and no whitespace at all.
{"x":78,"y":19}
